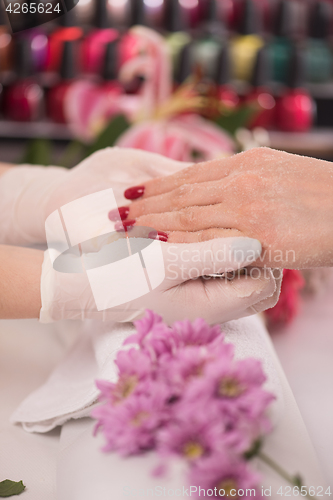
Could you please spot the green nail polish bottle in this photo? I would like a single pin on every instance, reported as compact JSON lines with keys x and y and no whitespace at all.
{"x":281,"y":47}
{"x":210,"y":39}
{"x":176,"y":24}
{"x":318,"y":53}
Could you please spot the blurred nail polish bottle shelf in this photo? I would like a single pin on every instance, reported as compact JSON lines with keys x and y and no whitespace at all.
{"x":33,"y":130}
{"x":317,"y":142}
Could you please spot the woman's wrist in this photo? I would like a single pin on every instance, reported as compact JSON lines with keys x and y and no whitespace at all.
{"x":4,"y":167}
{"x":20,"y":270}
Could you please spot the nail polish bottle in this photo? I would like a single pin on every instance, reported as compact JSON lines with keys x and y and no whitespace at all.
{"x":85,"y":12}
{"x":245,"y":46}
{"x":212,"y":19}
{"x":110,"y":83}
{"x":282,"y":45}
{"x":295,"y":108}
{"x":260,"y":95}
{"x":119,"y":12}
{"x":57,"y":94}
{"x":39,"y":47}
{"x":153,"y":13}
{"x":211,"y":35}
{"x":138,"y":13}
{"x":24,"y":98}
{"x":225,"y":92}
{"x":129,"y":44}
{"x":318,"y":53}
{"x":184,"y":66}
{"x":191,"y":12}
{"x":66,"y":32}
{"x":6,"y":43}
{"x":175,"y":24}
{"x":93,"y":45}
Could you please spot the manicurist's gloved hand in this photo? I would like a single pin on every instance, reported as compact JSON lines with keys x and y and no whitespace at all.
{"x":183,"y":292}
{"x":29,"y":194}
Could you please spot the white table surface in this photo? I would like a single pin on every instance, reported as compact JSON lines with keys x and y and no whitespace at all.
{"x":305,"y":350}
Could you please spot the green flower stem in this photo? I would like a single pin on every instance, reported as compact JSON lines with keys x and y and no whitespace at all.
{"x":293,"y":480}
{"x":71,"y":154}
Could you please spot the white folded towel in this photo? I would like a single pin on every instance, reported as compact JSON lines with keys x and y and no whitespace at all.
{"x":70,"y":391}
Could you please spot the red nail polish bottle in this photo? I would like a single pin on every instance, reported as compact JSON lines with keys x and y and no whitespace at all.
{"x":260,"y":94}
{"x":225,"y":92}
{"x":110,"y":70}
{"x":93,"y":46}
{"x":66,"y":32}
{"x":57,"y":94}
{"x":24,"y":99}
{"x":295,"y":109}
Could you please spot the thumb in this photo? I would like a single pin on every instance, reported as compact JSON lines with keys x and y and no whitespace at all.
{"x":185,"y":261}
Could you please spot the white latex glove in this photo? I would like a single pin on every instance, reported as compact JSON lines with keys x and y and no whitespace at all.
{"x":29,"y":194}
{"x":182,"y":293}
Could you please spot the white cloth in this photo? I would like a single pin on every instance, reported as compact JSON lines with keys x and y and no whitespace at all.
{"x":70,"y":391}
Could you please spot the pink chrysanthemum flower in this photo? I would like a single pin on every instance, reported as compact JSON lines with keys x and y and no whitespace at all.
{"x":153,"y":336}
{"x":133,"y":362}
{"x":133,"y":366}
{"x":130,"y":427}
{"x":236,"y":386}
{"x":192,"y":439}
{"x":196,"y":333}
{"x":229,"y":380}
{"x":225,"y":476}
{"x":188,"y":363}
{"x":180,"y":391}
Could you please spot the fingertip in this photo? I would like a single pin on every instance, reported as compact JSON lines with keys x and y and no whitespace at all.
{"x":246,"y":250}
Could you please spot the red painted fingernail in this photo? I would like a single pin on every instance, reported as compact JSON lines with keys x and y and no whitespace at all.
{"x":124,"y":225}
{"x":158,"y":235}
{"x":135,"y":192}
{"x":120,"y":213}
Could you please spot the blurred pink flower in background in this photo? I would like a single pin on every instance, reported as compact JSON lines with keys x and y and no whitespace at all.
{"x":289,"y":302}
{"x":163,"y":122}
{"x":186,"y":137}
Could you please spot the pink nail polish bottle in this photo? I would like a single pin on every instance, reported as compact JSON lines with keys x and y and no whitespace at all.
{"x":57,"y":94}
{"x":24,"y":98}
{"x":93,"y":46}
{"x":295,"y":109}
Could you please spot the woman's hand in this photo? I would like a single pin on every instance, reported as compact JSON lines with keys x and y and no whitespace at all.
{"x":283,"y":200}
